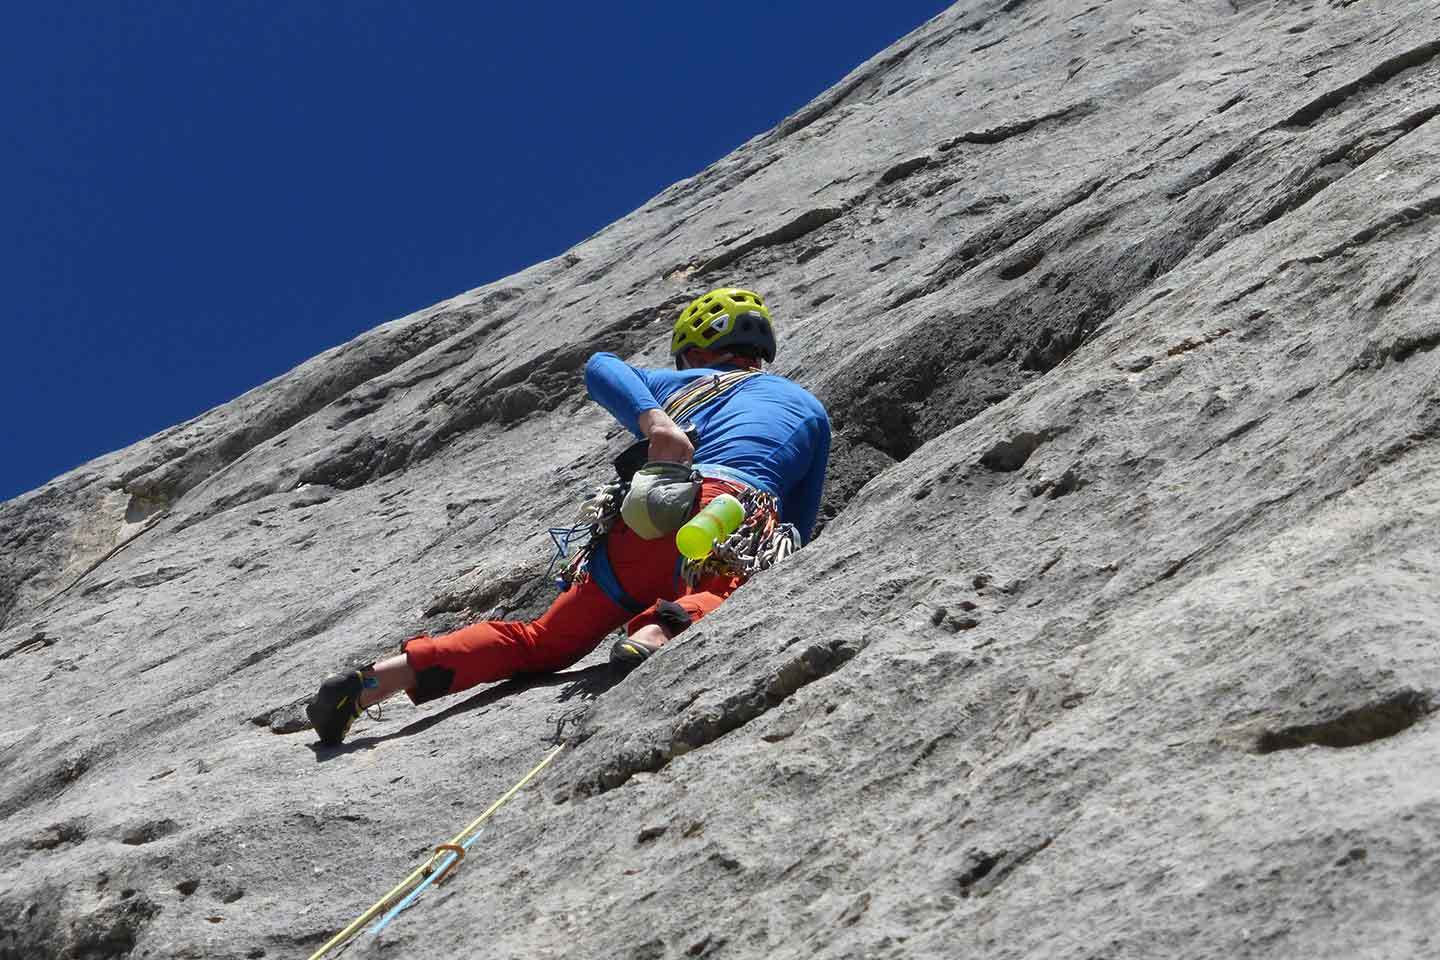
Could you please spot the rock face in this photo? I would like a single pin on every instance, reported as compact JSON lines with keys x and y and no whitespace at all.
{"x":1121,"y":638}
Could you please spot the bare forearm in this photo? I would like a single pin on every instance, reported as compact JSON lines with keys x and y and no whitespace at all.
{"x":667,"y":440}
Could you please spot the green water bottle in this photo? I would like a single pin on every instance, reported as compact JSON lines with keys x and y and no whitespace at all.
{"x":720,"y":518}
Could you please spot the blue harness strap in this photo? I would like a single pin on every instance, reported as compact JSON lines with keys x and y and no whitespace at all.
{"x":604,"y":576}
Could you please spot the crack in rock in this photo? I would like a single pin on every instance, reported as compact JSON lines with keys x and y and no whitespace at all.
{"x":1007,"y":456}
{"x":1353,"y":728}
{"x":807,"y":222}
{"x":148,"y":832}
{"x":1400,"y":349}
{"x":1404,"y":217}
{"x":988,"y":870}
{"x":700,"y":729}
{"x":1195,"y":343}
{"x":1013,"y":128}
{"x":902,"y":170}
{"x":59,"y":834}
{"x":1315,"y":109}
{"x":38,"y":928}
{"x":1205,"y":174}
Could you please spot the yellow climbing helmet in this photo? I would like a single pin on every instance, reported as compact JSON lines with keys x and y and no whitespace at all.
{"x":723,"y":319}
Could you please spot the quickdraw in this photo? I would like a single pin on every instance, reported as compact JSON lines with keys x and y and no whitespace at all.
{"x":595,"y":518}
{"x":760,"y":542}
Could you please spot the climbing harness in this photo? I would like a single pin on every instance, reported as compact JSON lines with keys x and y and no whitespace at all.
{"x":598,"y":515}
{"x":442,"y":862}
{"x":761,"y":542}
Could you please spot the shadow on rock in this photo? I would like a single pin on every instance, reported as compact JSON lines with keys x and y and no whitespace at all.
{"x":587,"y":684}
{"x":590,"y":683}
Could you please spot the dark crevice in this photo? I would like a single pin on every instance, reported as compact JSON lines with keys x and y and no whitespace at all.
{"x":978,"y":870}
{"x":1340,"y":162}
{"x":1012,"y":128}
{"x":148,"y":832}
{"x":1400,"y":349}
{"x":1205,"y":174}
{"x":37,"y":641}
{"x":1229,"y":435}
{"x":700,"y":729}
{"x":1007,"y":456}
{"x":1316,"y":183}
{"x":1353,"y":728}
{"x":1022,"y":265}
{"x":810,"y":253}
{"x":997,"y":238}
{"x":40,"y":927}
{"x":1404,"y":217}
{"x":1195,"y":343}
{"x":1407,"y":346}
{"x":1427,"y":430}
{"x":988,"y":870}
{"x":805,"y":223}
{"x":1315,"y":109}
{"x":1235,"y":298}
{"x":902,"y":170}
{"x":1426,"y":208}
{"x":1238,"y":98}
{"x":1052,"y":488}
{"x":1394,"y":291}
{"x":58,"y":835}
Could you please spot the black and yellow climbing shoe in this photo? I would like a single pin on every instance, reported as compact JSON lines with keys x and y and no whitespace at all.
{"x":629,"y":653}
{"x":335,"y":706}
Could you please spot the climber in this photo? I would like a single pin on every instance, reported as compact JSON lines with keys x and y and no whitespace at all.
{"x":761,"y":438}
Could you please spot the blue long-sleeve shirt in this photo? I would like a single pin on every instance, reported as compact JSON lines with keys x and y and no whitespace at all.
{"x":768,"y":432}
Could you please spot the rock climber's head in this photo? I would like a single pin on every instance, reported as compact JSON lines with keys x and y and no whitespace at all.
{"x":724,"y":326}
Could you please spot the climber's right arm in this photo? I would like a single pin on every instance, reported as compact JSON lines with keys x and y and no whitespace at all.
{"x":630,"y":394}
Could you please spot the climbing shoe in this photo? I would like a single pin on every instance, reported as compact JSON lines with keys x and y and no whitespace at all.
{"x":335,"y":706}
{"x":628,"y":654}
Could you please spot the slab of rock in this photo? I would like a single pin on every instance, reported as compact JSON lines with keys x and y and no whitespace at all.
{"x":1120,"y":638}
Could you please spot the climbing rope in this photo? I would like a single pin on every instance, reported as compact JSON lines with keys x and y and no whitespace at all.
{"x":437,"y":869}
{"x":703,"y":390}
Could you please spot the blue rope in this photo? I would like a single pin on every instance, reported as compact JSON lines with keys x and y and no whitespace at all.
{"x":449,"y":858}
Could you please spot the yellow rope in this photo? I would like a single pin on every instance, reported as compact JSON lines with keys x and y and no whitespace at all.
{"x":404,"y":886}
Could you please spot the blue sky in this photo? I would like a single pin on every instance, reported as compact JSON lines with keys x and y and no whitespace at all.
{"x":198,"y":197}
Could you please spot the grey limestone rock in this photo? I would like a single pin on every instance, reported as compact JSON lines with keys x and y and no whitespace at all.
{"x":1121,"y":637}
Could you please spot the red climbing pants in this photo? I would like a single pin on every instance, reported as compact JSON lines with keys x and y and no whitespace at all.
{"x":647,"y":570}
